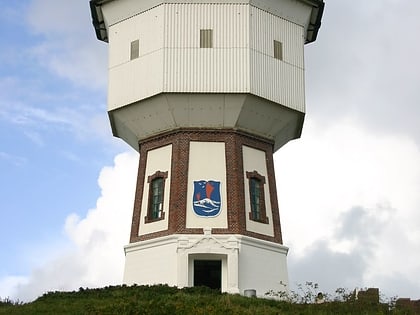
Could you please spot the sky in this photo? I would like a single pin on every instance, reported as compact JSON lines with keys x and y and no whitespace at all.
{"x":348,"y":190}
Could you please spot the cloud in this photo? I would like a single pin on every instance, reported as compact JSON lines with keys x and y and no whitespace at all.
{"x":53,"y":18}
{"x":329,"y":269}
{"x":54,"y":37}
{"x":94,"y":256}
{"x":68,"y":49}
{"x":358,"y":218}
{"x":13,"y":159}
{"x":35,"y":121}
{"x":365,"y":64}
{"x":363,"y":264}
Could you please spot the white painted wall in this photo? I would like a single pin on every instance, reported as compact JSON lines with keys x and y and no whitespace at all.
{"x":255,"y":160}
{"x":207,"y":161}
{"x":151,"y":262}
{"x":157,"y":160}
{"x":247,"y":263}
{"x":262,"y":266}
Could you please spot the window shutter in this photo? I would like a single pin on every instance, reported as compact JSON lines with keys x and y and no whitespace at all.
{"x":134,"y":50}
{"x":278,"y":50}
{"x":206,"y":38}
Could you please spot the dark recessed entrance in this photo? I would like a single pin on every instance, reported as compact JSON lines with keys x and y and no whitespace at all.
{"x":208,"y":273}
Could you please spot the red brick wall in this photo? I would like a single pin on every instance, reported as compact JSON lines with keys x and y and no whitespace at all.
{"x":180,"y":140}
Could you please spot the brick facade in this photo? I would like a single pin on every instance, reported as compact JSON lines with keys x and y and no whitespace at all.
{"x":180,"y":139}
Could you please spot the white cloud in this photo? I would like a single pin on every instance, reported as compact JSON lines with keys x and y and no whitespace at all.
{"x":52,"y":17}
{"x":79,"y":121}
{"x":364,"y":63}
{"x":13,"y":159}
{"x":347,"y":193}
{"x":69,"y":49}
{"x":10,"y":284}
{"x":95,"y":256}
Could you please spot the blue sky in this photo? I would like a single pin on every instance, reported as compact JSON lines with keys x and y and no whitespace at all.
{"x":54,"y":132}
{"x":348,"y":189}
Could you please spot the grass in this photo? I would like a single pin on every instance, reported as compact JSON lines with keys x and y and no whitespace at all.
{"x":162,"y":299}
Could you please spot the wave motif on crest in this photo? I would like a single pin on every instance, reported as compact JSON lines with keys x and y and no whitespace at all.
{"x":207,"y":204}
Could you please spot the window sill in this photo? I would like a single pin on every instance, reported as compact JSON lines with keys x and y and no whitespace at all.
{"x":147,"y":219}
{"x":263,"y":221}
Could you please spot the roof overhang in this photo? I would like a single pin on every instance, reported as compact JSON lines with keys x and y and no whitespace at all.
{"x":98,"y":20}
{"x":100,"y":26}
{"x":315,"y":20}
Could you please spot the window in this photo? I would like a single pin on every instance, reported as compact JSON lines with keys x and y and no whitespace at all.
{"x":255,"y":194}
{"x":206,"y":38}
{"x":278,"y":50}
{"x":256,"y":197}
{"x":156,"y":197}
{"x":134,"y":50}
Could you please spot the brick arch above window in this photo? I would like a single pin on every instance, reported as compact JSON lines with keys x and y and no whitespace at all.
{"x":157,"y":174}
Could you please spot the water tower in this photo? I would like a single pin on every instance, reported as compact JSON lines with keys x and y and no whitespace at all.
{"x":206,"y":92}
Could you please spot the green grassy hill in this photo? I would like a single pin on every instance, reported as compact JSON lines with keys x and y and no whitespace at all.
{"x":162,"y":299}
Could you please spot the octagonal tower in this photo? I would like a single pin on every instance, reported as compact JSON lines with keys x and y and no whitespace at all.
{"x":206,"y":91}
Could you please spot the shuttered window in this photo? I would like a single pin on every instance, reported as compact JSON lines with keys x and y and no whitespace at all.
{"x":278,"y":50}
{"x":206,"y":38}
{"x":134,"y":50}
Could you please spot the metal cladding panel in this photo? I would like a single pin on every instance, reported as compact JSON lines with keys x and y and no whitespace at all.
{"x":216,"y":71}
{"x":297,"y":12}
{"x":139,"y":79}
{"x":222,"y":68}
{"x":117,"y":11}
{"x":277,"y":81}
{"x":280,"y":81}
{"x":266,"y":27}
{"x":146,"y":27}
{"x":132,"y":80}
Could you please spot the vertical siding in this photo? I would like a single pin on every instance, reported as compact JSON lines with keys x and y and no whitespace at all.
{"x":171,"y":60}
{"x":266,"y":27}
{"x":131,"y":80}
{"x":223,"y":68}
{"x":147,"y":27}
{"x":281,"y":81}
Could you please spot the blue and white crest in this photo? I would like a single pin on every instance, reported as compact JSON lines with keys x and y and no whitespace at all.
{"x":206,"y":198}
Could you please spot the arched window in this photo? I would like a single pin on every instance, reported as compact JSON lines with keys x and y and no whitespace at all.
{"x":256,"y":197}
{"x":156,"y":197}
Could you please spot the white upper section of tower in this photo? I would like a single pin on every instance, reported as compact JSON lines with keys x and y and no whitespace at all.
{"x":204,"y":48}
{"x":240,"y":59}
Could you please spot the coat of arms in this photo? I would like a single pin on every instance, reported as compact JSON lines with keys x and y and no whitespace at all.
{"x":206,"y":198}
